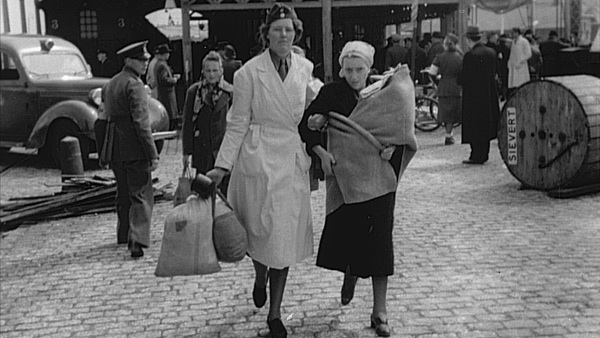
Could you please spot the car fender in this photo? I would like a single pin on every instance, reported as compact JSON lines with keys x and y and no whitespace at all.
{"x":81,"y":113}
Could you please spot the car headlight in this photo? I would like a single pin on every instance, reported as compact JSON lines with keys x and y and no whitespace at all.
{"x":95,"y":96}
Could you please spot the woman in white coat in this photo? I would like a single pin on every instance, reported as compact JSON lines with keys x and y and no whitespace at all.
{"x":520,"y":52}
{"x":269,"y":187}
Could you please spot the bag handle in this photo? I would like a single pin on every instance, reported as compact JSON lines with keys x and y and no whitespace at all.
{"x":216,"y":193}
{"x":186,"y":172}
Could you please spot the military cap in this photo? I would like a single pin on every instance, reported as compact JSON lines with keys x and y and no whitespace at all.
{"x":280,"y":11}
{"x":135,"y":51}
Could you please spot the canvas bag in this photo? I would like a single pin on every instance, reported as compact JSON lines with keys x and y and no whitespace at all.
{"x":187,"y":244}
{"x":229,"y":235}
{"x":184,"y":187}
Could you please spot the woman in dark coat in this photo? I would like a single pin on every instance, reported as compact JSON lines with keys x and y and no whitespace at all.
{"x":481,"y":110}
{"x":357,"y":237}
{"x":448,"y":65}
{"x":204,"y":113}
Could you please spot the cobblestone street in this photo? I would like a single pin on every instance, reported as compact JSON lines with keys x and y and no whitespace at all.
{"x":476,"y":256}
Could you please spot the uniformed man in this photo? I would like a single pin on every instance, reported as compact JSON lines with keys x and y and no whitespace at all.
{"x":129,"y":148}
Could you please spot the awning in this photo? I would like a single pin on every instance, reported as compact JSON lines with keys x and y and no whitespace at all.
{"x":168,"y":22}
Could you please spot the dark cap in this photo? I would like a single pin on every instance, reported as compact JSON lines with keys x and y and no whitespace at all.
{"x":437,"y":35}
{"x":473,"y":32}
{"x":396,"y":37}
{"x":280,"y":11}
{"x":163,"y":48}
{"x":135,"y":51}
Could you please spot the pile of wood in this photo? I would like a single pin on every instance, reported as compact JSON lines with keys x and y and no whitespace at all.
{"x":79,"y":196}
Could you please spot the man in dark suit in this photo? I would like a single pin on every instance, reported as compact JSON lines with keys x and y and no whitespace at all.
{"x":230,"y":63}
{"x":166,"y":82}
{"x":436,"y":47}
{"x":550,"y":50}
{"x":129,"y":148}
{"x":481,"y":111}
{"x":396,"y":53}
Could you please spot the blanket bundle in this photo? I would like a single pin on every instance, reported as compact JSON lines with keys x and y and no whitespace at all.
{"x":384,"y":116}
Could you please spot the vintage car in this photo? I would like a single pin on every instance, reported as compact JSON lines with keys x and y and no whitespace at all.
{"x":47,"y":92}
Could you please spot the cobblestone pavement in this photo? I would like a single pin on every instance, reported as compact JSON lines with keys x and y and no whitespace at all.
{"x":475,"y":257}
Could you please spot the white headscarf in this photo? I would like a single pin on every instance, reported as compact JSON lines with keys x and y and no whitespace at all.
{"x":359,"y":49}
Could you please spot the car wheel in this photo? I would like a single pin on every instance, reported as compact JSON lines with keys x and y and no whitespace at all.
{"x":59,"y":130}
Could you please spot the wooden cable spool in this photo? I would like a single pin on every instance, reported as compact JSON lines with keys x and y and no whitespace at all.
{"x":549,"y":132}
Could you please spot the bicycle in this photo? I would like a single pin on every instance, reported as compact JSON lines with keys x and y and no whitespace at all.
{"x":426,"y":105}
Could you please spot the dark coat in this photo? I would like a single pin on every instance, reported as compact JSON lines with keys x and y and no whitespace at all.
{"x":126,"y":106}
{"x":202,"y":132}
{"x":106,"y":69}
{"x":550,"y":54}
{"x":395,"y":55}
{"x":229,"y":68}
{"x":165,"y":84}
{"x":434,"y":50}
{"x":481,"y":111}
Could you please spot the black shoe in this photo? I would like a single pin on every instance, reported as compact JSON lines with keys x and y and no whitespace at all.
{"x":259,"y":296}
{"x":277,"y":329}
{"x":136,"y":250}
{"x":382,"y":329}
{"x":473,"y":162}
{"x":348,"y":288}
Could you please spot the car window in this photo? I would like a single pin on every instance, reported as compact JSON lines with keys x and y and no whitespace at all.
{"x":9,"y":69}
{"x":50,"y":66}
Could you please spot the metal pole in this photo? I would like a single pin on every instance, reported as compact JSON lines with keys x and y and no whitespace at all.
{"x":186,"y":42}
{"x":5,"y":16}
{"x":327,"y":40}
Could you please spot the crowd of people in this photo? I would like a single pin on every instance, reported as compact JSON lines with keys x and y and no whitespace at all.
{"x":252,"y":129}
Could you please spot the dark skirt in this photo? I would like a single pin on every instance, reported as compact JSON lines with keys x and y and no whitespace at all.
{"x":450,"y":109}
{"x":359,"y":235}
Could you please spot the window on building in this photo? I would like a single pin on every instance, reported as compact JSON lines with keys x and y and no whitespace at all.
{"x":88,"y":24}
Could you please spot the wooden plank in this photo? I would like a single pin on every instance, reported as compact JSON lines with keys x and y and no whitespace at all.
{"x":60,"y":201}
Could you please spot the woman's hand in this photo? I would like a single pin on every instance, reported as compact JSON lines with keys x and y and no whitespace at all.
{"x":327,"y":160}
{"x":316,"y":122}
{"x":186,"y":160}
{"x":216,"y":175}
{"x":387,"y":152}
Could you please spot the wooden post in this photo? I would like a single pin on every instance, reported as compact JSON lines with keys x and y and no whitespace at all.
{"x":186,"y":43}
{"x":38,"y":22}
{"x":23,"y":17}
{"x":414,"y":14}
{"x":327,"y":40}
{"x":463,"y":19}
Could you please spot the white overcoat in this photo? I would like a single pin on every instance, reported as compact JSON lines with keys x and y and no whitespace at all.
{"x":518,"y":70}
{"x":269,"y":187}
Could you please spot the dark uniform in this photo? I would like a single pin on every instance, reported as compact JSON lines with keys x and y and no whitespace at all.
{"x":129,"y":150}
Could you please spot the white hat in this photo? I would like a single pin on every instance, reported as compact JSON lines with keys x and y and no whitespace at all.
{"x":359,"y":49}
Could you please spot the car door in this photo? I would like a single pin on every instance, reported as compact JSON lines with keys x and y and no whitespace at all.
{"x":18,"y":102}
